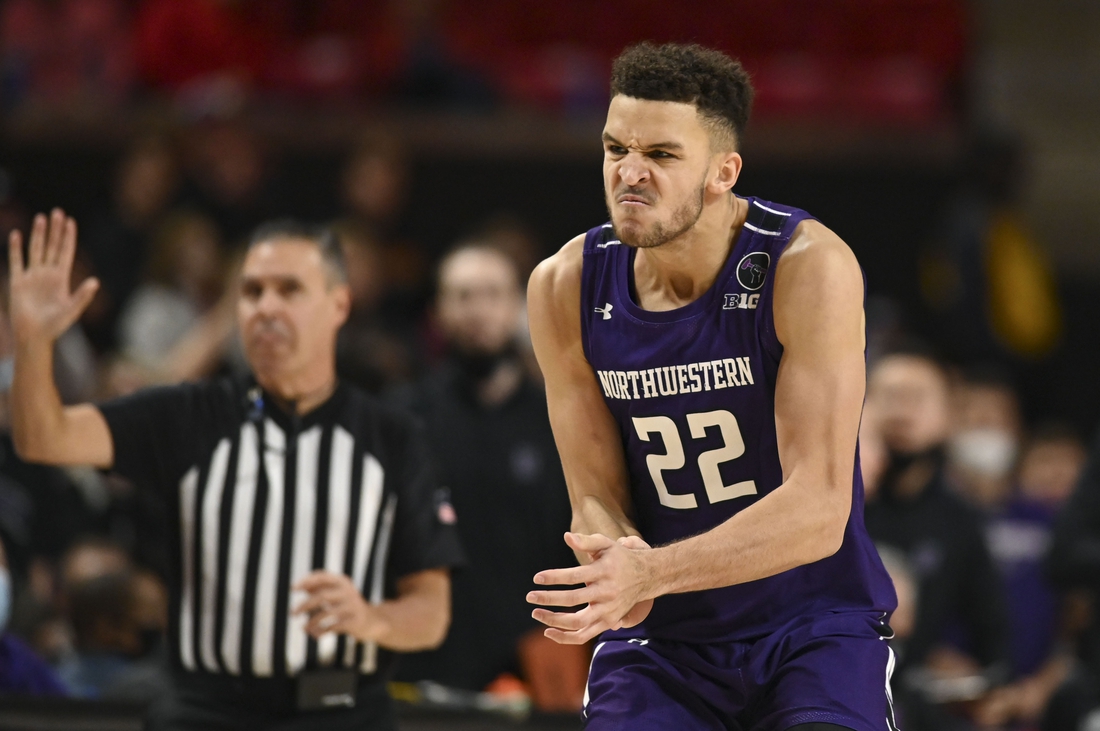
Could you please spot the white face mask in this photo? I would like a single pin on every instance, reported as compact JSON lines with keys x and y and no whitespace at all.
{"x":988,"y":452}
{"x":5,"y":599}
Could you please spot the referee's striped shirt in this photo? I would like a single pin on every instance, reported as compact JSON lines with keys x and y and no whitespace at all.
{"x":258,"y":499}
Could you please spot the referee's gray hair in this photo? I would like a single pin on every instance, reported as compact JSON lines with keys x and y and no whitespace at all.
{"x":332,"y":253}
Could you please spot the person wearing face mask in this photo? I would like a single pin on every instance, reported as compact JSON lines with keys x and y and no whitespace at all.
{"x":984,"y":444}
{"x":21,"y":671}
{"x":489,"y":428}
{"x":960,"y":629}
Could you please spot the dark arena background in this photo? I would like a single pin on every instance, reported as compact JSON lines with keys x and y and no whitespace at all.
{"x":951,"y":144}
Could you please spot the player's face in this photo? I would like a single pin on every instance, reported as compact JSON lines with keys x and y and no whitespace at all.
{"x":655,"y":163}
{"x":288,"y":310}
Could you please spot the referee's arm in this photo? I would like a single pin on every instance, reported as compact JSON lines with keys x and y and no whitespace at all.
{"x":417,"y":619}
{"x":42,"y":307}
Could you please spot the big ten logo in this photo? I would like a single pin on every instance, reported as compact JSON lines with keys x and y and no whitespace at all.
{"x":740,"y":301}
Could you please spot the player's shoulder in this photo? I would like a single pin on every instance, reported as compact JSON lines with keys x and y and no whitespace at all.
{"x":557,"y":279}
{"x":816,"y":253}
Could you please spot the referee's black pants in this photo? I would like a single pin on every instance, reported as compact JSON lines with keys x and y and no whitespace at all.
{"x":222,"y":703}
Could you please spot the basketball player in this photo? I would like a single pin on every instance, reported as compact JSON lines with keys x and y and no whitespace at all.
{"x":704,"y":363}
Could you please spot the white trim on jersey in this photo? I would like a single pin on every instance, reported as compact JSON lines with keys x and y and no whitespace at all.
{"x":761,"y":231}
{"x":891,"y":722}
{"x":584,"y":701}
{"x":758,"y":204}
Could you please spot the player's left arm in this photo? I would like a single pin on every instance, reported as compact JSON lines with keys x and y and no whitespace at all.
{"x":818,"y":315}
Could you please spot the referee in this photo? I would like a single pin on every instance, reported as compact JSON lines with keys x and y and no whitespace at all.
{"x":308,"y":537}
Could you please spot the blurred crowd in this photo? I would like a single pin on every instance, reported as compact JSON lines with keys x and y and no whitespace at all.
{"x":860,"y":59}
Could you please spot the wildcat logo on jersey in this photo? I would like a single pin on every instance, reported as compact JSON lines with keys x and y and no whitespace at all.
{"x":752,"y":269}
{"x":741,"y":301}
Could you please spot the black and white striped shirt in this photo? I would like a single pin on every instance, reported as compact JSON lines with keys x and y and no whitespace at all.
{"x":347,"y":488}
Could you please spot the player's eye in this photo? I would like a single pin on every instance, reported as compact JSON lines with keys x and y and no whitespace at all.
{"x":288,"y":288}
{"x":616,"y":150}
{"x":251,"y":290}
{"x":660,"y":155}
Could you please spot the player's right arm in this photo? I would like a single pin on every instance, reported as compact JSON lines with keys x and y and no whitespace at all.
{"x":42,"y":307}
{"x":586,"y":434}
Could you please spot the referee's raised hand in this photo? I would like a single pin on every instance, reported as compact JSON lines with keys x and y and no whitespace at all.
{"x":43,"y":303}
{"x":43,"y":306}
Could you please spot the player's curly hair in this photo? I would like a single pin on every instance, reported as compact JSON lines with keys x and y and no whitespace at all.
{"x":716,"y":84}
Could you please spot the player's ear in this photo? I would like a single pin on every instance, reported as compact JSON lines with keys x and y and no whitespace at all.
{"x":727,"y":170}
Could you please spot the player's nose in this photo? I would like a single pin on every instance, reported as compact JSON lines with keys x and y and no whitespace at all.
{"x":633,"y":170}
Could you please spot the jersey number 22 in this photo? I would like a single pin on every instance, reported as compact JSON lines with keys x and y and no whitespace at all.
{"x":673,"y":458}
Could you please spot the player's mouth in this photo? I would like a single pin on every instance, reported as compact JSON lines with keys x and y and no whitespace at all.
{"x":633,"y":201}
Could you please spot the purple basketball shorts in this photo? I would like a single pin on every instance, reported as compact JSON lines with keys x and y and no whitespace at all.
{"x":831,"y":668}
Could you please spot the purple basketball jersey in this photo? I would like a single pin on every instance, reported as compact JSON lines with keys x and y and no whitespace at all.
{"x":692,"y":390}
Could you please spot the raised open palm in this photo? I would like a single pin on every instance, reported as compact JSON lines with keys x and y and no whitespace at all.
{"x":43,"y":303}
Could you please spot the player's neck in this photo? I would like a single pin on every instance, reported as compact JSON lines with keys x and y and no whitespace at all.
{"x":679,"y":272}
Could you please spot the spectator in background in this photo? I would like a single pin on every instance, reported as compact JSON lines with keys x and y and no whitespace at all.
{"x":146,"y":183}
{"x":200,"y":49}
{"x":982,"y":459}
{"x":67,"y":52}
{"x":370,"y":351}
{"x":183,"y":280}
{"x":989,"y":290}
{"x":21,"y":671}
{"x":1019,"y":532}
{"x":1075,"y":564}
{"x":488,"y":425}
{"x":984,"y":443}
{"x":118,"y":620}
{"x":374,"y":189}
{"x":229,"y":177}
{"x":41,"y":509}
{"x":941,"y":536}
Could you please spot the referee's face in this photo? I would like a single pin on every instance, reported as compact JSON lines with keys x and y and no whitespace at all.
{"x":289,"y":312}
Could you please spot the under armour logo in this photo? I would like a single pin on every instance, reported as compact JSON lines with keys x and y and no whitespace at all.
{"x":637,"y":641}
{"x":606,"y":310}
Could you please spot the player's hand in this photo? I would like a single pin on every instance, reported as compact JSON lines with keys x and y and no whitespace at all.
{"x":43,"y":304}
{"x":641,"y":610}
{"x":335,"y":605}
{"x":615,"y":590}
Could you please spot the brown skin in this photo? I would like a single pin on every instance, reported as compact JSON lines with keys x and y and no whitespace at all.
{"x":659,"y":160}
{"x":289,"y":311}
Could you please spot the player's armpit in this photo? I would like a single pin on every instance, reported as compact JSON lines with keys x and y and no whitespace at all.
{"x":587,"y":437}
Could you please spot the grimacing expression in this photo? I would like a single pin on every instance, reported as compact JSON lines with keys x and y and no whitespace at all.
{"x":655,"y":165}
{"x":289,"y":308}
